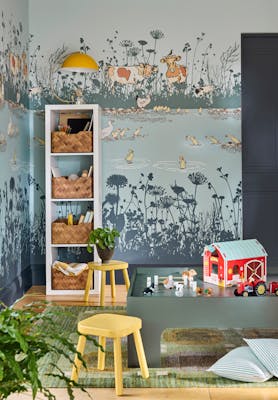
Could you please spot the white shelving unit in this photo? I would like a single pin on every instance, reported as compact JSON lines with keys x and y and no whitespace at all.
{"x":52,"y":116}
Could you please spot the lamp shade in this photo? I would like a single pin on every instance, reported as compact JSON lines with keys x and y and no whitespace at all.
{"x":79,"y":62}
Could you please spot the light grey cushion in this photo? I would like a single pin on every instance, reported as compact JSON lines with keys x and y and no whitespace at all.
{"x":266,"y":350}
{"x":241,"y":364}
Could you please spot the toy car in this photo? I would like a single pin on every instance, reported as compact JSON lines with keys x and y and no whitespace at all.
{"x":255,"y":288}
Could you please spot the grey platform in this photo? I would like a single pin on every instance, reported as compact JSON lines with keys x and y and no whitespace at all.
{"x":164,"y":310}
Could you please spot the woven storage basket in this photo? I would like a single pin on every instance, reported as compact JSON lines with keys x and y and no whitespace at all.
{"x":70,"y":234}
{"x":63,"y":188}
{"x":66,"y":282}
{"x":81,"y":142}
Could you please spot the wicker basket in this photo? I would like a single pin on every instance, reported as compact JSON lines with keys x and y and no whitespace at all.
{"x":81,"y":142}
{"x":69,"y":282}
{"x":63,"y":188}
{"x":62,"y":233}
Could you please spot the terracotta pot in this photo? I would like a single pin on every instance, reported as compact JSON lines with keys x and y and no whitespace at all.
{"x":105,"y":254}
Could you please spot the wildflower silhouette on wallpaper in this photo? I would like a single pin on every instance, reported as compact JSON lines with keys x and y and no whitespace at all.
{"x":159,"y":225}
{"x":194,"y":76}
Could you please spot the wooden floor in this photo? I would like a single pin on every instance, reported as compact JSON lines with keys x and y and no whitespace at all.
{"x":38,"y":293}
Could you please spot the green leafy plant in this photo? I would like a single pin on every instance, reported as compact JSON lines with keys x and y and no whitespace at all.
{"x":24,"y":341}
{"x":102,"y":237}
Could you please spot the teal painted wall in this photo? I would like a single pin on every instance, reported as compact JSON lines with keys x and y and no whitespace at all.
{"x":171,"y":127}
{"x":15,"y":273}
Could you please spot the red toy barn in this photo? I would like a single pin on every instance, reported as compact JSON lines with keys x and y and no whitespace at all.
{"x":225,"y":263}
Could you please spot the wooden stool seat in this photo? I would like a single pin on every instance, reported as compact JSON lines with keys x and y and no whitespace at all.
{"x":109,"y":325}
{"x":113,"y":326}
{"x":111,"y":267}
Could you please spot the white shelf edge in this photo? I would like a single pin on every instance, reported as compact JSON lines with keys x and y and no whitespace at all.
{"x":69,"y":245}
{"x":73,"y":292}
{"x":71,"y":154}
{"x":83,"y":199}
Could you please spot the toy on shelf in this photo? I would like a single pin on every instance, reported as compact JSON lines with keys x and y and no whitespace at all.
{"x":208,"y":292}
{"x":169,"y":282}
{"x":179,"y":289}
{"x":255,"y":287}
{"x":149,"y":289}
{"x":226,"y":263}
{"x":188,"y":276}
{"x":199,"y":290}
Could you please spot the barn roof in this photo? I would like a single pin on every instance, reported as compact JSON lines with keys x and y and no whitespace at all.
{"x":239,"y":249}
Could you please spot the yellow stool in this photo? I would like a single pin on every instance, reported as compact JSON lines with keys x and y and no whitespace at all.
{"x":111,"y":266}
{"x":113,"y":326}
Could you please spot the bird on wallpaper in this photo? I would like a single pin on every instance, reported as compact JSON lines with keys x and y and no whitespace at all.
{"x":3,"y":142}
{"x":193,"y":141}
{"x":182,"y":162}
{"x":233,"y":138}
{"x":13,"y":160}
{"x":213,"y":140}
{"x":142,"y":102}
{"x":39,"y":140}
{"x":115,"y":133}
{"x":105,"y":132}
{"x":137,"y":132}
{"x":123,"y":132}
{"x":129,"y":157}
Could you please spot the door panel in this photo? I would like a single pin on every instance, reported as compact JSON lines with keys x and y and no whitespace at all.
{"x":260,"y":141}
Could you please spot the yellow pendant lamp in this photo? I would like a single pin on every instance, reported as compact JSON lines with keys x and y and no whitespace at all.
{"x":79,"y":62}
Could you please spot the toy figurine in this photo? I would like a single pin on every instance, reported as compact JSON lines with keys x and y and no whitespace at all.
{"x":199,"y":291}
{"x":149,"y":289}
{"x":169,"y":282}
{"x":179,"y":289}
{"x":208,"y":291}
{"x":188,"y":276}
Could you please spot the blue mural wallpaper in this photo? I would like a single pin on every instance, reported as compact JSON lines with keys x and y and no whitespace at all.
{"x":172,"y":181}
{"x":170,"y":134}
{"x":164,"y":188}
{"x":14,"y":154}
{"x":171,"y":123}
{"x":138,"y":75}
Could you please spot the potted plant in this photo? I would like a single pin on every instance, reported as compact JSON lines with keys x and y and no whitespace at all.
{"x":26,"y":336}
{"x":104,"y":239}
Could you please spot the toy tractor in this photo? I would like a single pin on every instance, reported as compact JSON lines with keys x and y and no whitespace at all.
{"x":251,"y":288}
{"x":273,"y":288}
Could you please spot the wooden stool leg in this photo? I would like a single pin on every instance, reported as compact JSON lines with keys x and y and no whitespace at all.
{"x":141,"y":354}
{"x":126,"y":279}
{"x":88,"y":285}
{"x":102,"y":287}
{"x":77,"y":363}
{"x":118,"y":366}
{"x":101,"y":354}
{"x":113,"y":285}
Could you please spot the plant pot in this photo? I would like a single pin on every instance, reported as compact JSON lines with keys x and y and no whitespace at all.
{"x":105,"y":254}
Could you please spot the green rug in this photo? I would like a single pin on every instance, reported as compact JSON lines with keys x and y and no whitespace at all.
{"x":185,"y":356}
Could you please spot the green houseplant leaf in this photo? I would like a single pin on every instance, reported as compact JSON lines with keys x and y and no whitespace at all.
{"x":24,"y":341}
{"x":102,"y":237}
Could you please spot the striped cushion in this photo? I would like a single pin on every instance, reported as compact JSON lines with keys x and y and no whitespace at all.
{"x":241,"y":365}
{"x":266,"y":350}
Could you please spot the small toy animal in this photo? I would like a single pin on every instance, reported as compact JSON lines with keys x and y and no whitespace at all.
{"x":189,"y":273}
{"x":199,"y":291}
{"x":168,"y":283}
{"x":208,"y":291}
{"x":149,"y":289}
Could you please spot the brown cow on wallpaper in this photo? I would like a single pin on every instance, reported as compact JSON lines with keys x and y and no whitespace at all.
{"x":130,"y":75}
{"x":175,"y":73}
